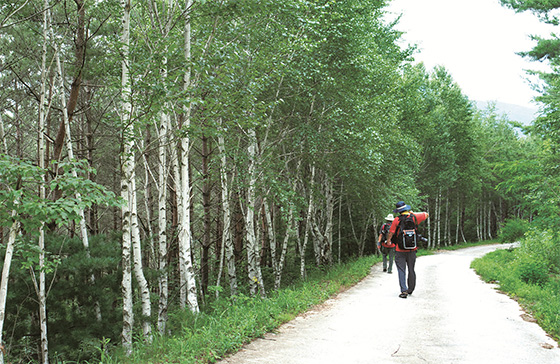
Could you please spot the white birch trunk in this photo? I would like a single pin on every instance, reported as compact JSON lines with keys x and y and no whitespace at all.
{"x":43,"y":299}
{"x":163,"y":278}
{"x":290,"y":230}
{"x":308,"y":222}
{"x":188,"y":283}
{"x":253,"y":256}
{"x":162,"y":224}
{"x":439,"y":219}
{"x":137,"y":256}
{"x":340,"y":222}
{"x":147,"y":205}
{"x":446,"y":228}
{"x":327,"y":252}
{"x":489,"y":219}
{"x":41,"y":290}
{"x":271,"y":235}
{"x":126,"y":109}
{"x":227,"y":242}
{"x":429,"y":227}
{"x":5,"y":279}
{"x":3,"y":135}
{"x":458,"y":222}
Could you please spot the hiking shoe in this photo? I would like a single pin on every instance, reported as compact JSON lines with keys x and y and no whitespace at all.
{"x":384,"y":270}
{"x":403,"y":295}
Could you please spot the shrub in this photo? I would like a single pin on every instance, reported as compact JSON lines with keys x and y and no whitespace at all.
{"x":513,"y":230}
{"x":532,"y":271}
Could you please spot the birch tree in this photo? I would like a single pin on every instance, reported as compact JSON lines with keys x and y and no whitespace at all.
{"x":256,"y":283}
{"x":127,"y":171}
{"x":162,"y":222}
{"x":188,"y":296}
{"x":227,"y":252}
{"x":41,"y":287}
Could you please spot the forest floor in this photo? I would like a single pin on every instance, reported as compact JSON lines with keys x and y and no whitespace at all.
{"x":452,"y":317}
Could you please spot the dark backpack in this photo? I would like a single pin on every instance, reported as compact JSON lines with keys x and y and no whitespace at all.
{"x":384,"y":232}
{"x":407,"y":232}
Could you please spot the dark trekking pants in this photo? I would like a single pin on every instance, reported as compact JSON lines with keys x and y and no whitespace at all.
{"x":388,"y":257}
{"x":404,"y":261}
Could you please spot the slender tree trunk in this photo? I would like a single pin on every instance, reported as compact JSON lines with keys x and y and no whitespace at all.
{"x":268,"y":220}
{"x":227,"y":241}
{"x":127,"y":165}
{"x":188,"y":283}
{"x":329,"y":227}
{"x":137,"y":256}
{"x":253,"y":261}
{"x":489,"y":219}
{"x":207,"y":235}
{"x":458,"y":222}
{"x":429,"y":227}
{"x":308,"y":223}
{"x":148,"y":201}
{"x":3,"y":136}
{"x":80,"y":42}
{"x":5,"y":279}
{"x":41,"y":288}
{"x":446,"y":228}
{"x":163,"y":278}
{"x":438,"y":221}
{"x":290,"y":230}
{"x":323,"y":240}
{"x":340,"y":222}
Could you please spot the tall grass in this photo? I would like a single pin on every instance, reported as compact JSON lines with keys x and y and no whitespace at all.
{"x":529,"y":273}
{"x":225,"y":325}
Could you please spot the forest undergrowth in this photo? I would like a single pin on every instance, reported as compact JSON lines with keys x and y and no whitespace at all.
{"x":530,"y":274}
{"x":225,"y":325}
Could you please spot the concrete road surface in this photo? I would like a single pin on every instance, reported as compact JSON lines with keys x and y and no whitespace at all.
{"x":452,"y":317}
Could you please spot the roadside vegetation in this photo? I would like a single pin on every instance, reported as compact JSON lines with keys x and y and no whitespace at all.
{"x":225,"y":325}
{"x":530,"y":273}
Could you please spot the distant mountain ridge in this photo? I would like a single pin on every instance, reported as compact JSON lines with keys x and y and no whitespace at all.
{"x":522,"y":114}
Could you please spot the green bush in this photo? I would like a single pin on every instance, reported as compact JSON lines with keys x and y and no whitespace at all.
{"x":513,"y":230}
{"x":528,"y":273}
{"x":532,"y":271}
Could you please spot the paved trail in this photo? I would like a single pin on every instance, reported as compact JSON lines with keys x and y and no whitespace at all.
{"x":452,"y":317}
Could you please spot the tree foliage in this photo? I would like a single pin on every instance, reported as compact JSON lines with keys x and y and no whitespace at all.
{"x":310,"y":113}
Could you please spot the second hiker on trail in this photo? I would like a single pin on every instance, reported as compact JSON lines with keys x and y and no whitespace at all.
{"x":404,"y":232}
{"x":385,"y":246}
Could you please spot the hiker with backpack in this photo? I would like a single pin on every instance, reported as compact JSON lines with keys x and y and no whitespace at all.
{"x":385,"y":246}
{"x":404,"y":232}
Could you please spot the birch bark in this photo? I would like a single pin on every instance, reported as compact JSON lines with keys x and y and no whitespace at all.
{"x":162,"y":224}
{"x":5,"y":279}
{"x":137,"y":255}
{"x":3,"y":135}
{"x":308,"y":222}
{"x":227,"y":241}
{"x":41,"y":289}
{"x":458,"y":222}
{"x":188,"y":283}
{"x":253,"y":261}
{"x":126,"y":109}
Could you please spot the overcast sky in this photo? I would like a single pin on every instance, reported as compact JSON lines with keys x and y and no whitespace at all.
{"x":476,"y":41}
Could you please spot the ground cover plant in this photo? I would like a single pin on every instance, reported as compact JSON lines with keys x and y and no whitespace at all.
{"x":529,"y":274}
{"x":226,"y":324}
